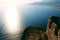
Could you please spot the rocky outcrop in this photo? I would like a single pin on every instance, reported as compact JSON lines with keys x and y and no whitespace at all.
{"x":32,"y":33}
{"x":53,"y":27}
{"x":52,"y":31}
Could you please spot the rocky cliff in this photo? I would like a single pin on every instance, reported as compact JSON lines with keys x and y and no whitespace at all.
{"x":52,"y":31}
{"x":53,"y":28}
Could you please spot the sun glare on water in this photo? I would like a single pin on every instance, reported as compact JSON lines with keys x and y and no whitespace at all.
{"x":11,"y":17}
{"x":11,"y":20}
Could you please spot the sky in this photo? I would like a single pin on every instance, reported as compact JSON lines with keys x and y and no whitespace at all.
{"x":4,"y":3}
{"x":16,"y":2}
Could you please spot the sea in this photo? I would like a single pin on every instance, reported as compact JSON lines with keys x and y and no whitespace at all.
{"x":32,"y":15}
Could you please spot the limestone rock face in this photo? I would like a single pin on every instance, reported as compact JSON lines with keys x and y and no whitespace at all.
{"x":53,"y":27}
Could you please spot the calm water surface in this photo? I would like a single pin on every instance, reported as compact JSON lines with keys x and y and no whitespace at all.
{"x":31,"y":15}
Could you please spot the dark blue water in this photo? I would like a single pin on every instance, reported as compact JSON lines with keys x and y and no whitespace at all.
{"x":38,"y":15}
{"x":32,"y":16}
